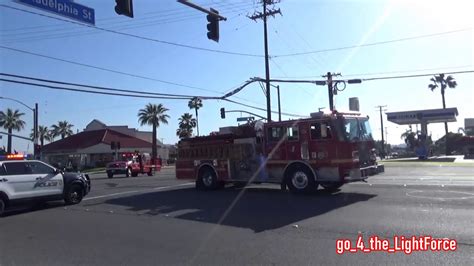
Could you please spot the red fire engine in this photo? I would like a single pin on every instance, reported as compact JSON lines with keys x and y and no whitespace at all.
{"x":133,"y":164}
{"x":327,"y":149}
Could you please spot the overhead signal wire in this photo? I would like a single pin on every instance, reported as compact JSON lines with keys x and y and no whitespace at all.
{"x":140,"y":37}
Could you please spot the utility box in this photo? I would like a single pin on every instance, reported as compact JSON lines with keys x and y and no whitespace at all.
{"x":354,"y":104}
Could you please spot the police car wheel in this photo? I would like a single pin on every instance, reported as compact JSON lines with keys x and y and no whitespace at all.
{"x":74,"y":195}
{"x":2,"y":206}
{"x":301,"y":180}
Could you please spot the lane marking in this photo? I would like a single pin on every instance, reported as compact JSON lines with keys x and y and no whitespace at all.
{"x":413,"y":194}
{"x":136,"y":191}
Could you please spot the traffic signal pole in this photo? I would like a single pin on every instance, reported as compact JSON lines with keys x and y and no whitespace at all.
{"x":35,"y":130}
{"x":381,"y":130}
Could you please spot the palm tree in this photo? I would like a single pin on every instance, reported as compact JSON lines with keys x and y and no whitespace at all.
{"x":43,"y":134}
{"x":63,"y":129}
{"x":11,"y":120}
{"x":410,"y":138}
{"x":440,"y":81}
{"x":153,"y":114}
{"x":186,"y":125}
{"x":195,"y":103}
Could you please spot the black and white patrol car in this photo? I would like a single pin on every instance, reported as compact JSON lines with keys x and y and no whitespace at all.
{"x":23,"y":181}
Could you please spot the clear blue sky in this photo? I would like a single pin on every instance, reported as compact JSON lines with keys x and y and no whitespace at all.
{"x":304,"y":26}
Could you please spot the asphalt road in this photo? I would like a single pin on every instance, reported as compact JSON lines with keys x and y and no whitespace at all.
{"x":161,"y":221}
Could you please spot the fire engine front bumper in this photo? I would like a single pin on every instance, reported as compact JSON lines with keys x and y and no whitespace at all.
{"x":364,"y":173}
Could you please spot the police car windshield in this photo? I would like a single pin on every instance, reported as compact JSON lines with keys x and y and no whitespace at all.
{"x":357,"y":129}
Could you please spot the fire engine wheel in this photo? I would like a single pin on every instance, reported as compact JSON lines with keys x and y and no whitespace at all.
{"x":134,"y":174}
{"x":207,"y":180}
{"x":150,"y":173}
{"x":332,"y":187}
{"x":301,"y":180}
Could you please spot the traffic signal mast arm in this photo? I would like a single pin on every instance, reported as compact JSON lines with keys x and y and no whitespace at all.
{"x":209,"y":12}
{"x":223,"y":111}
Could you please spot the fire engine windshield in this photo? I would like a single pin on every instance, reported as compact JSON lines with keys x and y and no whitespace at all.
{"x":357,"y":129}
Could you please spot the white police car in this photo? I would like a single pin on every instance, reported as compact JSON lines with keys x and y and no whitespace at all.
{"x":23,"y":181}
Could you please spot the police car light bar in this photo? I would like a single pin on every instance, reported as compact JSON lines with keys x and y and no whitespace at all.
{"x":12,"y":157}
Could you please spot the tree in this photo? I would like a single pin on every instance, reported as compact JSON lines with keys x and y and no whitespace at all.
{"x":153,"y":114}
{"x":11,"y":120}
{"x":63,"y":129}
{"x":195,"y":103}
{"x":43,"y":134}
{"x":186,"y":125}
{"x":440,"y":82}
{"x":410,"y":139}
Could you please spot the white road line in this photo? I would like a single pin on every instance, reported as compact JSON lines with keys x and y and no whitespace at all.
{"x":136,"y":191}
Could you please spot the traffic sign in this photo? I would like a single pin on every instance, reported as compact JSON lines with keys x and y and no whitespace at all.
{"x":66,"y":8}
{"x":245,"y":119}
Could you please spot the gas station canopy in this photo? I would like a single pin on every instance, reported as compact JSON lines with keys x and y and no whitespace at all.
{"x":423,"y":116}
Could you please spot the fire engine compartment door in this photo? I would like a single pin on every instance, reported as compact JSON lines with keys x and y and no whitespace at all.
{"x":243,"y":160}
{"x":322,"y":142}
{"x":293,"y":144}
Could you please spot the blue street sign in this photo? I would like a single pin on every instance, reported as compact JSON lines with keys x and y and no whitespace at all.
{"x":66,"y":8}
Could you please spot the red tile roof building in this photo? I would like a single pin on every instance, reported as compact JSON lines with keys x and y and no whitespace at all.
{"x":92,"y":148}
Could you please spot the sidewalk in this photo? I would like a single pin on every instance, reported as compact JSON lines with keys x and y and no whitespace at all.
{"x":103,"y":171}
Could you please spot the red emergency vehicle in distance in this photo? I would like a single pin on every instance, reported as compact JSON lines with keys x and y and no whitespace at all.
{"x":327,"y":149}
{"x":132,"y":164}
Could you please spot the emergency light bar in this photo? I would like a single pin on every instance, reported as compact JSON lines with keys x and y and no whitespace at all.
{"x":13,"y":157}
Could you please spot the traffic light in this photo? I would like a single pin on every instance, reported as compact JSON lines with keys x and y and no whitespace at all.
{"x":213,"y":26}
{"x":222,"y":113}
{"x":124,"y":7}
{"x":112,"y":145}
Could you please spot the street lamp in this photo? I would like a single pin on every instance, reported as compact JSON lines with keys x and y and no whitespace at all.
{"x":35,"y":118}
{"x":279,"y":106}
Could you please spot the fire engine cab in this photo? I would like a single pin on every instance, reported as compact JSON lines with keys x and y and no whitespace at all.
{"x":327,"y":149}
{"x":132,"y":164}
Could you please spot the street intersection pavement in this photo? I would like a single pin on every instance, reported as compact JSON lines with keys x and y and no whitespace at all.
{"x":163,"y":221}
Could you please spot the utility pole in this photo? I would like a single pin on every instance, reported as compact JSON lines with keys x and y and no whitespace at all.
{"x":381,"y":129}
{"x":264,"y":16}
{"x":329,"y":82}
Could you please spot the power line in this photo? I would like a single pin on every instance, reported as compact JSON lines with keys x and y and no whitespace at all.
{"x":284,"y":73}
{"x":68,"y":32}
{"x":415,"y":76}
{"x":105,"y":69}
{"x":126,"y":95}
{"x":104,"y":88}
{"x":137,"y":36}
{"x":120,"y":72}
{"x":88,"y":91}
{"x":375,"y":43}
{"x":386,"y":72}
{"x":163,"y":13}
{"x":263,"y":109}
{"x":406,"y":71}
